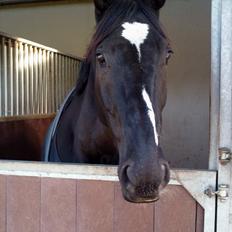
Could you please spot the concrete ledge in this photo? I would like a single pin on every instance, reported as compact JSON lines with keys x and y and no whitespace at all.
{"x":70,"y":171}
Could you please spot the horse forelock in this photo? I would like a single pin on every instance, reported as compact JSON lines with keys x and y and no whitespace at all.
{"x":118,"y":13}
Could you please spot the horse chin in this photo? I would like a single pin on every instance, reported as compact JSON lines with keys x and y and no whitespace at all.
{"x":137,"y":199}
{"x":131,"y":196}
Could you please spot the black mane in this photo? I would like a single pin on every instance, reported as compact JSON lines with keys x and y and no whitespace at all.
{"x":113,"y":19}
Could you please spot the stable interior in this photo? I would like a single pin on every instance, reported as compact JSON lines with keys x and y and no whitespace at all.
{"x":68,"y":27}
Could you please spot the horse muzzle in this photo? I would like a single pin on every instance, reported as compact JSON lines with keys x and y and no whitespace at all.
{"x":143,"y":185}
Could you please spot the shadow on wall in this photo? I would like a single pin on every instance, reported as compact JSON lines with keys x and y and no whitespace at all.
{"x":186,"y":115}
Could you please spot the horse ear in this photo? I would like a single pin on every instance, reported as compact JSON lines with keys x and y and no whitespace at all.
{"x":157,"y":4}
{"x":100,"y":7}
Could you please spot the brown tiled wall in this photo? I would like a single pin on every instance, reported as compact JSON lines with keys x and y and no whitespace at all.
{"x":30,"y":204}
{"x":23,"y":139}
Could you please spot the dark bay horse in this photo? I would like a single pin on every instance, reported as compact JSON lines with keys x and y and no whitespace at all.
{"x":113,"y":116}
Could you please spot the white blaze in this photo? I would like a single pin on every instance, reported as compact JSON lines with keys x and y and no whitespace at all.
{"x":136,"y":33}
{"x":151,"y":114}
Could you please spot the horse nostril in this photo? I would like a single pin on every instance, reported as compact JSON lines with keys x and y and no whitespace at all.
{"x":126,"y":180}
{"x":124,"y":175}
{"x":166,"y":172}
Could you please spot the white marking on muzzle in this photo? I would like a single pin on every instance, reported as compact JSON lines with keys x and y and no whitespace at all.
{"x":136,"y":33}
{"x":151,"y":113}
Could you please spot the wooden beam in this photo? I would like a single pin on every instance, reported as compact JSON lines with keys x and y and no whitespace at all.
{"x":17,"y":2}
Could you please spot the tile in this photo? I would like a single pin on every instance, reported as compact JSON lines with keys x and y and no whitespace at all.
{"x":200,"y":219}
{"x":58,"y":205}
{"x":23,"y":204}
{"x":95,"y":206}
{"x":131,"y":216}
{"x":175,"y":211}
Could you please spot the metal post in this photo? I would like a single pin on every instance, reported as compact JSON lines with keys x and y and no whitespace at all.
{"x":215,"y":82}
{"x":224,"y":211}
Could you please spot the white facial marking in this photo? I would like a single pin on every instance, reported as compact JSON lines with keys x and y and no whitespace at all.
{"x":136,"y":33}
{"x":151,"y":113}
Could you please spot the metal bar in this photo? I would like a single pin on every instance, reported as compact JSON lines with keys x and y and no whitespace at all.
{"x":36,"y":84}
{"x":63,"y":78}
{"x":10,"y":80}
{"x":56,"y":80}
{"x":44,"y":83}
{"x":69,"y":74}
{"x":26,"y":79}
{"x":40,"y":79}
{"x":59,"y":81}
{"x":71,"y":70}
{"x":48,"y":86}
{"x":16,"y":77}
{"x":31,"y":79}
{"x":1,"y":76}
{"x":21,"y":78}
{"x":4,"y":83}
{"x":52,"y":90}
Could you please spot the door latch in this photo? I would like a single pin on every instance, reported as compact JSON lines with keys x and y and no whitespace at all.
{"x":225,"y":155}
{"x":222,"y":193}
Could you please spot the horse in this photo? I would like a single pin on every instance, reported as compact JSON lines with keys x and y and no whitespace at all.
{"x":113,"y":115}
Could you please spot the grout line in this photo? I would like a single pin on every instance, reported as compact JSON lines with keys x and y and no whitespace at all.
{"x":76,"y":224}
{"x":114,"y":209}
{"x":40,"y":209}
{"x":6,"y":206}
{"x":196,"y":217}
{"x":154,"y":217}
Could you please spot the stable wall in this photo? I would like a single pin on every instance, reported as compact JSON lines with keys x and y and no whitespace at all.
{"x":186,"y":115}
{"x":68,"y":28}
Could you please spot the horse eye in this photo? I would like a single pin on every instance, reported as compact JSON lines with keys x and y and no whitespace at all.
{"x":101,"y":59}
{"x":168,"y":56}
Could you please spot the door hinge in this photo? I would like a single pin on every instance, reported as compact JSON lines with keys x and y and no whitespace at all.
{"x":225,"y":155}
{"x":222,"y":193}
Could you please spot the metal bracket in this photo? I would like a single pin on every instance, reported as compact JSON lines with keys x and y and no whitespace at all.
{"x":222,"y":193}
{"x":225,"y":155}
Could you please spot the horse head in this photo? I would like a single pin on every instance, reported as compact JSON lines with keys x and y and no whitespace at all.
{"x":131,"y":53}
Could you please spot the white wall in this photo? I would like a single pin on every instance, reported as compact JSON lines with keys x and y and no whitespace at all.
{"x":68,"y":27}
{"x":186,"y":116}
